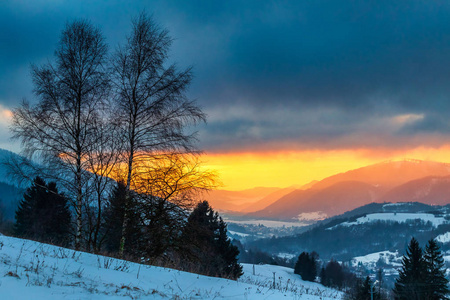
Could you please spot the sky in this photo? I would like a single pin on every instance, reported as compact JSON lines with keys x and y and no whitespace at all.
{"x":294,"y":90}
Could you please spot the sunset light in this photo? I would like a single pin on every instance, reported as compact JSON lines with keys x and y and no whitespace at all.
{"x":240,"y":171}
{"x":230,"y":149}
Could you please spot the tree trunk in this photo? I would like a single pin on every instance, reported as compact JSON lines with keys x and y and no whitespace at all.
{"x":127,"y":200}
{"x":79,"y":222}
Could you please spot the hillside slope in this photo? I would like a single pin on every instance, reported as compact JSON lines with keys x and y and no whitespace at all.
{"x":369,"y":229}
{"x":333,"y":200}
{"x":267,"y":200}
{"x":6,"y":157}
{"x":430,"y":190}
{"x":31,"y":270}
{"x":389,"y":174}
{"x":224,"y":200}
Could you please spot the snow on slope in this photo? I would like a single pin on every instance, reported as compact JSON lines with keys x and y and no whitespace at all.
{"x":396,"y":217}
{"x":370,"y":260}
{"x":443,"y":238}
{"x":31,"y":270}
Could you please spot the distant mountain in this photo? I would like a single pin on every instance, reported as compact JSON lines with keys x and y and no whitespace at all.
{"x":403,"y":207}
{"x":389,"y":174}
{"x":267,"y":200}
{"x":9,"y":200}
{"x":369,"y":229}
{"x":5,"y":157}
{"x":236,"y":200}
{"x":330,"y":201}
{"x":409,"y":180}
{"x":10,"y":193}
{"x":430,"y":190}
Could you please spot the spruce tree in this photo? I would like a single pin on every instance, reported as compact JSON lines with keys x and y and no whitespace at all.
{"x":229,"y":252}
{"x":364,"y":289}
{"x":437,"y":283}
{"x":210,"y":250}
{"x":323,"y":277}
{"x":411,"y":284}
{"x":306,"y":266}
{"x":114,"y":215}
{"x":161,"y":226}
{"x":43,"y":214}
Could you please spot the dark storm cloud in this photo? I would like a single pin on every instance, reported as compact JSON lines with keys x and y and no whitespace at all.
{"x":271,"y":74}
{"x":339,"y":54}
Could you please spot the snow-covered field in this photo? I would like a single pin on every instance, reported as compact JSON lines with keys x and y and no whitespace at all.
{"x":443,"y":238}
{"x":370,"y":260}
{"x":396,"y":217}
{"x":31,"y":270}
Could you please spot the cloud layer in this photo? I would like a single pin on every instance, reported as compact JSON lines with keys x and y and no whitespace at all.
{"x":276,"y":75}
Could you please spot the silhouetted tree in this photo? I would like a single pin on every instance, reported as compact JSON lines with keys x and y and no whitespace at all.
{"x":210,"y":249}
{"x":161,"y":227}
{"x":43,"y":214}
{"x":323,"y":276}
{"x":102,"y":160}
{"x":436,"y":283}
{"x":256,"y":256}
{"x":337,"y":276}
{"x":306,"y":266}
{"x":113,"y":217}
{"x":70,"y":93}
{"x":152,"y":106}
{"x":411,"y":283}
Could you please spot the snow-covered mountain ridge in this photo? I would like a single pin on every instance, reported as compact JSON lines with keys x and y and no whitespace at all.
{"x":373,"y":228}
{"x":32,"y":270}
{"x":395,"y":217}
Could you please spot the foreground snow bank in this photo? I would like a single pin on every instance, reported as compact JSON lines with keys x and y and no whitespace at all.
{"x":31,"y":270}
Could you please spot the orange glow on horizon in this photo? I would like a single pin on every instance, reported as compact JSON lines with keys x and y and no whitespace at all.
{"x":239,"y":171}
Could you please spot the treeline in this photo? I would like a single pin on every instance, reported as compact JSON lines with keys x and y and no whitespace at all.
{"x":357,"y":240}
{"x":331,"y":274}
{"x":422,"y":276}
{"x":256,"y":256}
{"x":159,"y":233}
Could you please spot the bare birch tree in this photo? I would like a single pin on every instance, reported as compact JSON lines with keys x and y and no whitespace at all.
{"x":103,"y":157}
{"x":168,"y":185}
{"x":151,"y":99}
{"x":57,"y":130}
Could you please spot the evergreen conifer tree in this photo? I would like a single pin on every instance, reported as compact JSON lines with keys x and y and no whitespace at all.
{"x":229,"y":252}
{"x":114,"y":215}
{"x":323,"y":277}
{"x":364,"y":289}
{"x":161,"y":226}
{"x":210,"y":250}
{"x":437,"y":283}
{"x":411,"y":284}
{"x":43,"y":214}
{"x":306,"y":266}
